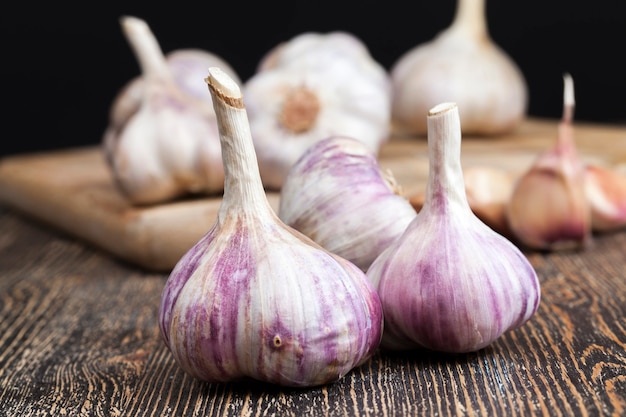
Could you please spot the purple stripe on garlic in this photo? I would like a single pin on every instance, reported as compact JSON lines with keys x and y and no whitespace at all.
{"x":337,"y":194}
{"x":450,"y":283}
{"x":254,"y":298}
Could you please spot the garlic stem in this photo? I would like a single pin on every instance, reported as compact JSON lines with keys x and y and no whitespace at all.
{"x":146,"y":47}
{"x":445,"y":172}
{"x":242,"y":180}
{"x":470,"y":19}
{"x":568,"y":98}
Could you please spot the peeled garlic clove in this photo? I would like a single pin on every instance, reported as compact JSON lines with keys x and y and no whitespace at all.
{"x":605,"y":190}
{"x":337,"y":194}
{"x":548,"y":208}
{"x":254,"y":298}
{"x":162,"y":140}
{"x":450,"y":283}
{"x":315,"y":94}
{"x":464,"y":65}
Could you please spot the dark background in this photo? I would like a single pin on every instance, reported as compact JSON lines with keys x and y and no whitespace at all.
{"x":63,"y":65}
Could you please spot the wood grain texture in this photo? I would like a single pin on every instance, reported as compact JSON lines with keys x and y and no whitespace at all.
{"x":79,"y":337}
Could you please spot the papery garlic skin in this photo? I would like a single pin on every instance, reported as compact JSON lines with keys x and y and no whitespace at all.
{"x":450,"y":283}
{"x":255,"y":298}
{"x":464,"y":65}
{"x":162,"y":140}
{"x":313,"y":94}
{"x":337,"y":194}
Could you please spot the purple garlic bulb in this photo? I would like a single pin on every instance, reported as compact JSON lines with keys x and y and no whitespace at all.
{"x":337,"y":194}
{"x":254,"y":298}
{"x":450,"y":283}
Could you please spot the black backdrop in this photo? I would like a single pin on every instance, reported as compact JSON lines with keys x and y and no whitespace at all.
{"x":62,"y":65}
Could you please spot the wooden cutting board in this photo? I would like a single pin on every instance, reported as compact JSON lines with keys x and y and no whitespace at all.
{"x":72,"y":189}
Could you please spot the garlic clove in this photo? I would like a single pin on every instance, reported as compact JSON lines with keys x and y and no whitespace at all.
{"x":162,"y":141}
{"x":254,"y":298}
{"x":488,"y":191}
{"x":450,"y":283}
{"x":548,"y":208}
{"x":337,"y":194}
{"x":605,"y":190}
{"x":312,"y":94}
{"x":464,"y":65}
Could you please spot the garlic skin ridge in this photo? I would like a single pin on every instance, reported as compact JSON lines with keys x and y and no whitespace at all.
{"x":162,"y":141}
{"x":337,"y":195}
{"x":302,"y":95}
{"x":255,"y":298}
{"x":450,"y":283}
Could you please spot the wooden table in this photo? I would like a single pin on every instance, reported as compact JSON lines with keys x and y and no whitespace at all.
{"x":79,"y":337}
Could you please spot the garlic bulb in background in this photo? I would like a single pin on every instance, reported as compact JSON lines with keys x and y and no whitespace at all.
{"x":450,"y":283}
{"x":162,"y":140}
{"x":548,"y":208}
{"x":310,"y":88}
{"x":337,"y":195}
{"x":256,"y":298}
{"x":464,"y":65}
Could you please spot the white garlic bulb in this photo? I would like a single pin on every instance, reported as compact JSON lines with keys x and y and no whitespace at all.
{"x":450,"y":283}
{"x":337,"y":194}
{"x":254,"y":298}
{"x":464,"y":65}
{"x":301,"y":95}
{"x":162,"y":140}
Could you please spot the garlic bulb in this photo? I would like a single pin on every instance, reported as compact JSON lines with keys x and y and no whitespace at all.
{"x":450,"y":283}
{"x":464,"y":65}
{"x":162,"y":140}
{"x":548,"y":208}
{"x":310,"y":88}
{"x":337,"y":195}
{"x":605,"y":190}
{"x":255,"y":298}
